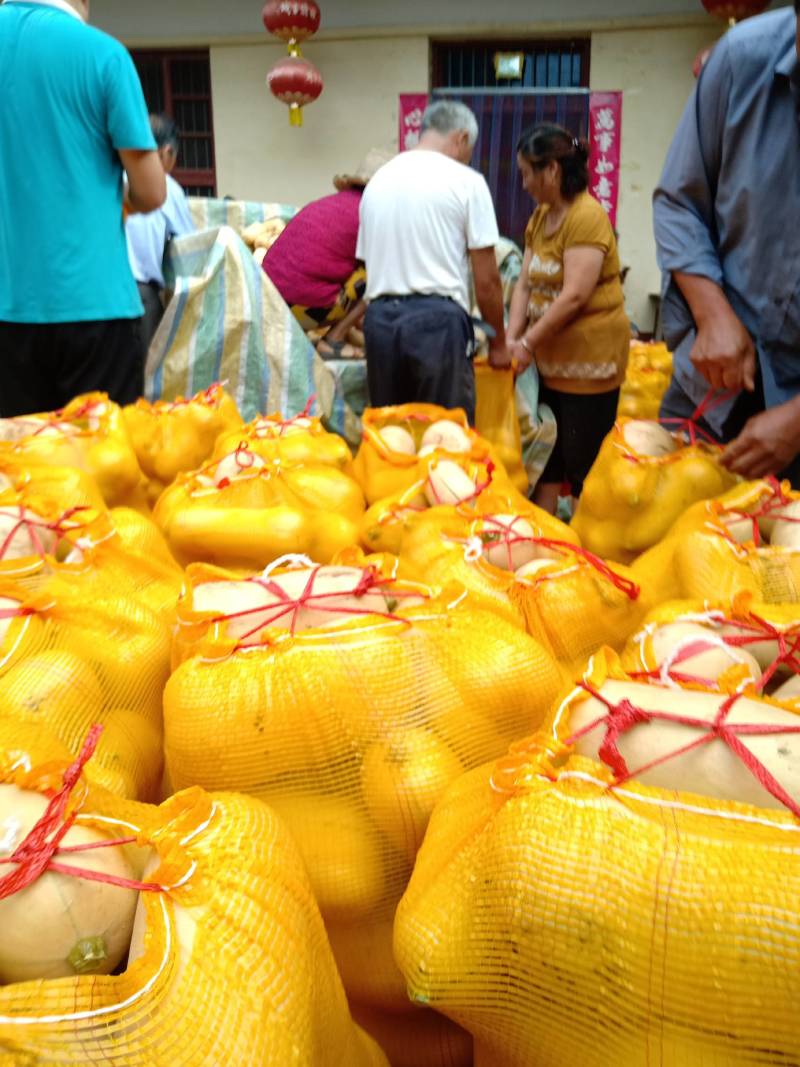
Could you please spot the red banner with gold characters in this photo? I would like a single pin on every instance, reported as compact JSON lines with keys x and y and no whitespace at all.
{"x":412,"y":105}
{"x":605,"y":143}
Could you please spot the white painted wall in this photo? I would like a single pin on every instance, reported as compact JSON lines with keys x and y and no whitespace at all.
{"x":654,"y":71}
{"x":260,"y":157}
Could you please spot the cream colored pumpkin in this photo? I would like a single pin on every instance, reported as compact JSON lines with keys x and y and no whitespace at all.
{"x":710,"y":769}
{"x":24,"y":533}
{"x":62,"y":925}
{"x":235,"y":464}
{"x":398,"y":439}
{"x":448,"y":436}
{"x":786,"y":526}
{"x":648,"y":438}
{"x":666,"y":644}
{"x":447,"y":483}
{"x":508,"y":541}
{"x":534,"y":569}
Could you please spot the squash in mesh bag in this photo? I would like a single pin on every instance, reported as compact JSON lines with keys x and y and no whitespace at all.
{"x":619,"y":887}
{"x":172,"y":436}
{"x":396,"y":439}
{"x":63,"y":487}
{"x":66,"y":663}
{"x":203,"y":911}
{"x":444,"y":481}
{"x":293,"y":441}
{"x":643,"y":478}
{"x":90,"y":434}
{"x":497,"y":421}
{"x":646,"y":380}
{"x":244,"y":511}
{"x":349,"y":700}
{"x":529,"y":568}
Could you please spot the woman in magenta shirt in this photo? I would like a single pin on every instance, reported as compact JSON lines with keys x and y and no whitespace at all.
{"x":313,"y":263}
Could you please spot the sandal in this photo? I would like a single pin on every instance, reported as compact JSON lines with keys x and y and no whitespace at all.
{"x":337,"y":350}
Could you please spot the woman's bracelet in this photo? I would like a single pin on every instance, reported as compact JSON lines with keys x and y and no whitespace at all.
{"x":525,"y":345}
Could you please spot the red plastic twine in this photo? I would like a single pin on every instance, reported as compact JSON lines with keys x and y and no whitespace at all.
{"x":37,"y":853}
{"x":625,"y":585}
{"x":31,"y":525}
{"x":291,"y":606}
{"x":479,"y":488}
{"x":778,"y":499}
{"x":622,"y":717}
{"x":689,"y":426}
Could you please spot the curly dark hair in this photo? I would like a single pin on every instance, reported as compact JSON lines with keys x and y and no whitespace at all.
{"x":541,"y":144}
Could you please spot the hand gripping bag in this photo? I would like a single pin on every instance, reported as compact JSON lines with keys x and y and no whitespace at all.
{"x":90,"y":434}
{"x":566,"y":912}
{"x":348,"y":701}
{"x":229,"y":962}
{"x":630,"y":499}
{"x":170,"y":437}
{"x":243,"y":511}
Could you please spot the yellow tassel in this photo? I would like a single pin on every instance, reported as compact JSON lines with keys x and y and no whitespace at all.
{"x":295,"y":115}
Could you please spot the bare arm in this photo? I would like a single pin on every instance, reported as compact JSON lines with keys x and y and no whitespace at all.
{"x":723,"y":351}
{"x":518,"y":312}
{"x":147,"y":183}
{"x":489,"y":297}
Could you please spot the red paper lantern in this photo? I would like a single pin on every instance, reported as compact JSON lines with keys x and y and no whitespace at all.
{"x":735,"y":9}
{"x":291,"y":20}
{"x":295,"y":82}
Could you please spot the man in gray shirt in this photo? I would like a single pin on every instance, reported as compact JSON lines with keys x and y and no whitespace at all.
{"x":727,"y":225}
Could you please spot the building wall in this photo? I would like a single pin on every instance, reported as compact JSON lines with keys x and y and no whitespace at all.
{"x":260,"y":157}
{"x":654,"y":71}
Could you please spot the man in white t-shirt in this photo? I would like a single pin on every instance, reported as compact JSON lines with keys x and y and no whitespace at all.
{"x":426,"y":218}
{"x":148,"y":235}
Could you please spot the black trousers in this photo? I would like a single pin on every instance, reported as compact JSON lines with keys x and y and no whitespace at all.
{"x":419,"y":350}
{"x":44,"y":365}
{"x":677,"y":405}
{"x":583,"y":421}
{"x":153,"y":313}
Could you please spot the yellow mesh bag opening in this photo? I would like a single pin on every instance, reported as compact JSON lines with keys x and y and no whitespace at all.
{"x":648,"y":375}
{"x":496,"y":419}
{"x":229,"y":959}
{"x":178,"y":435}
{"x":385,"y":523}
{"x":90,"y":434}
{"x":262,"y":512}
{"x":564,"y":920}
{"x":444,"y":544}
{"x":629,"y":501}
{"x":294,"y":441}
{"x":383,"y":472}
{"x":351,"y":730}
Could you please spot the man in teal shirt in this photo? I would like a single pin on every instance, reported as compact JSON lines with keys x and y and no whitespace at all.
{"x":73,"y":117}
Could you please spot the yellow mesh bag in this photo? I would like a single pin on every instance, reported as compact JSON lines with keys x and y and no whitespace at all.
{"x":64,"y":487}
{"x":294,"y":441}
{"x":648,"y":375}
{"x":385,"y":523}
{"x":565,"y":919}
{"x":417,"y":1039}
{"x":68,"y":661}
{"x":629,"y":501}
{"x":260,"y":512}
{"x":382,"y":471}
{"x":229,"y":961}
{"x":140,"y":535}
{"x":350,"y":728}
{"x":173,"y":436}
{"x":496,"y":419}
{"x":90,"y":434}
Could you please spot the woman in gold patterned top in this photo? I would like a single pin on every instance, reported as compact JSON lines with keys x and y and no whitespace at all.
{"x":567,"y":312}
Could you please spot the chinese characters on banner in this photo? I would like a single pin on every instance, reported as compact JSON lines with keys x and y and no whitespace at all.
{"x":411,"y":108}
{"x":605,"y":130}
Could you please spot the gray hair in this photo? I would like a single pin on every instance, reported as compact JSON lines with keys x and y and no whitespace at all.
{"x":445,"y":116}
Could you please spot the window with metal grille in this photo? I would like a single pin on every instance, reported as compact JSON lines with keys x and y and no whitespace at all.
{"x":548,"y":64}
{"x":178,"y":84}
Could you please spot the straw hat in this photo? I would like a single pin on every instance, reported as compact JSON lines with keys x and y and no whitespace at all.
{"x":366,"y":169}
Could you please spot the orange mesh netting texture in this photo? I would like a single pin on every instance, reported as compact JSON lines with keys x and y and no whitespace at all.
{"x":630,"y":500}
{"x":293,"y":441}
{"x":90,"y":434}
{"x":566,"y":913}
{"x":243,"y":511}
{"x":388,"y":463}
{"x":349,"y":701}
{"x":178,"y":435}
{"x":496,"y":419}
{"x":648,"y":375}
{"x":229,"y":962}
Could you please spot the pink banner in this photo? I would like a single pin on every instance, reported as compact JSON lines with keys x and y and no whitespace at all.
{"x":412,"y":106}
{"x":605,"y":134}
